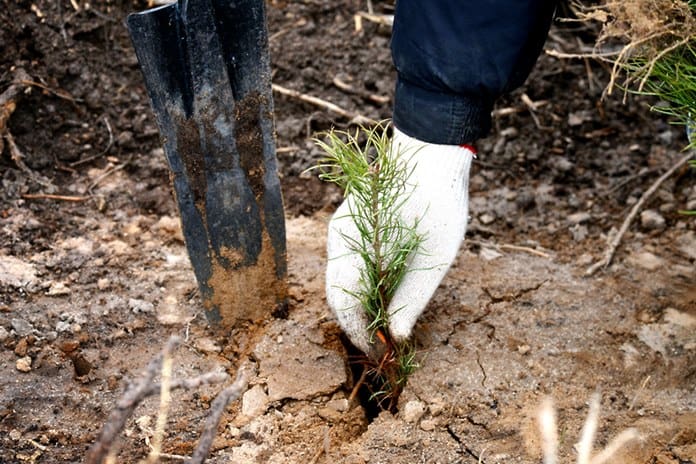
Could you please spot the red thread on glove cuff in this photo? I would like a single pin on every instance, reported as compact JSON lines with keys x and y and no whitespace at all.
{"x":469,"y":147}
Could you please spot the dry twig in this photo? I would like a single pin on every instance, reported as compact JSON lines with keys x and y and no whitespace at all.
{"x":8,"y":104}
{"x":134,"y":395}
{"x":383,"y":19}
{"x":60,"y":93}
{"x":145,"y":387}
{"x":355,"y":118}
{"x":18,"y":159}
{"x":165,"y":399}
{"x":9,"y":98}
{"x":507,"y":246}
{"x":550,"y":439}
{"x":48,"y":196}
{"x":103,"y":152}
{"x":230,"y":393}
{"x":519,"y":109}
{"x":346,"y":87}
{"x":614,"y":244}
{"x":106,"y":174}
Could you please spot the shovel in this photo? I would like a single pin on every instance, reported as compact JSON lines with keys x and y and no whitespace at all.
{"x":207,"y":71}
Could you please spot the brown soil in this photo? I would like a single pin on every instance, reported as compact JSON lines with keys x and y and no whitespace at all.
{"x":91,"y":289}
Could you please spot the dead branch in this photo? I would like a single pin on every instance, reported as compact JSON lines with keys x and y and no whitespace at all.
{"x":651,"y":65}
{"x":9,"y":99}
{"x":594,"y":55}
{"x":134,"y":395}
{"x":289,"y":149}
{"x":145,"y":387}
{"x":624,"y":52}
{"x":230,"y":393}
{"x":103,"y":152}
{"x":628,"y":179}
{"x":8,"y":103}
{"x":346,"y":87}
{"x":383,"y":19}
{"x":48,"y":196}
{"x":611,"y":249}
{"x":528,"y":106}
{"x":524,"y":249}
{"x":60,"y":93}
{"x":165,"y":400}
{"x":190,"y":384}
{"x":507,"y":246}
{"x":532,"y":106}
{"x":106,"y":174}
{"x":299,"y":23}
{"x":355,"y":118}
{"x":18,"y":159}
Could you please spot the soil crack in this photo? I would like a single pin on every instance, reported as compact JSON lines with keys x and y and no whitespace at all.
{"x":463,"y":445}
{"x":509,"y":296}
{"x":483,"y":371}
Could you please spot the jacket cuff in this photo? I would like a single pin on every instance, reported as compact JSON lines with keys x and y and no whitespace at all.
{"x":434,"y":117}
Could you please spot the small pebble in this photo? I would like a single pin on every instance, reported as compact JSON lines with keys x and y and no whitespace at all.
{"x":58,"y":289}
{"x":686,"y":243}
{"x":437,"y":406}
{"x":579,"y":218}
{"x":63,"y":326}
{"x":340,"y":404}
{"x":21,"y":347}
{"x":486,"y":219}
{"x":15,"y":434}
{"x":21,"y":327}
{"x":667,"y":208}
{"x":509,"y":132}
{"x":562,"y":164}
{"x":413,"y":411}
{"x":524,"y":349}
{"x":207,"y":345}
{"x":254,"y":401}
{"x":489,"y":254}
{"x":585,"y":259}
{"x":652,"y":220}
{"x":4,"y":334}
{"x":103,"y":284}
{"x":428,"y":425}
{"x":646,"y":260}
{"x":24,"y":364}
{"x":140,"y":306}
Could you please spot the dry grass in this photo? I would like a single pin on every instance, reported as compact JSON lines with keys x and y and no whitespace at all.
{"x":549,"y":434}
{"x":637,"y":34}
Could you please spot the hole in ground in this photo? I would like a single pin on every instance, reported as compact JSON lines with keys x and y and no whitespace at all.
{"x":371,"y":384}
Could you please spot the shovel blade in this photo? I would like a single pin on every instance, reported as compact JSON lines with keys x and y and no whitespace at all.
{"x":206,"y":68}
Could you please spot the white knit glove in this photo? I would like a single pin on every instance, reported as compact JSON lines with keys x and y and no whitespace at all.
{"x":438,"y":205}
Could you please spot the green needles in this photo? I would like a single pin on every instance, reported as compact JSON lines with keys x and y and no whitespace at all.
{"x":374,"y":178}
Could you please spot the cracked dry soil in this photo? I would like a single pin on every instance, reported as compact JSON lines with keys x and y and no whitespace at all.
{"x":90,"y":290}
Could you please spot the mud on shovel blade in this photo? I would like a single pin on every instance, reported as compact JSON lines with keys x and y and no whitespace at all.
{"x":207,"y":72}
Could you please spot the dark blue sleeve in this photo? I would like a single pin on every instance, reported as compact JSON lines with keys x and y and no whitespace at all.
{"x":454,"y":58}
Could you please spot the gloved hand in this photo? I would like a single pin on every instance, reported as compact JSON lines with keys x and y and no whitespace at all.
{"x":438,"y":204}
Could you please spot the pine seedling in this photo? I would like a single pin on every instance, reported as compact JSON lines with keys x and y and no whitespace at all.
{"x":375,"y":182}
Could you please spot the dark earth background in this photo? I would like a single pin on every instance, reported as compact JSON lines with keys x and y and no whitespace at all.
{"x":90,"y":289}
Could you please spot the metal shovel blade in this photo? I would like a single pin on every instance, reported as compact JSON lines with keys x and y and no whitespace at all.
{"x":206,"y":68}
